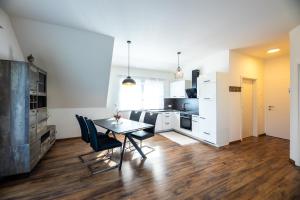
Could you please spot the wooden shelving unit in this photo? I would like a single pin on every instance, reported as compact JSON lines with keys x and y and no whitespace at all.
{"x":25,"y":136}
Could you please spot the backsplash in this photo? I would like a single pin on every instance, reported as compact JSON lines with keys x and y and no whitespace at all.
{"x":192,"y":104}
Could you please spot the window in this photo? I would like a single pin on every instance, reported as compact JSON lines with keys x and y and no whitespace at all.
{"x":147,"y":94}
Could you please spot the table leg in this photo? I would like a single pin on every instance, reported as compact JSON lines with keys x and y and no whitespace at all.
{"x":122,"y":153}
{"x":135,"y":145}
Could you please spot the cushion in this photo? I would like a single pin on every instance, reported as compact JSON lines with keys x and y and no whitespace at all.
{"x":142,"y":135}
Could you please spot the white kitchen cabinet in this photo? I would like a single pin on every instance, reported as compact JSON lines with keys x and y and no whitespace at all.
{"x":176,"y":120}
{"x":167,"y":121}
{"x":195,"y":126}
{"x":177,"y":88}
{"x":164,"y":122}
{"x":213,"y":95}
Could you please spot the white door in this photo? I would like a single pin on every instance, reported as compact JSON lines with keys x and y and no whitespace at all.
{"x":247,"y":108}
{"x":277,"y":99}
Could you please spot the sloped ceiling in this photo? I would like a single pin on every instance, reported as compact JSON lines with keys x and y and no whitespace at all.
{"x":78,"y":62}
{"x":159,"y":28}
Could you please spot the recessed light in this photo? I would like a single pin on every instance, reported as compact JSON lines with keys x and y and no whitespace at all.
{"x":273,"y":50}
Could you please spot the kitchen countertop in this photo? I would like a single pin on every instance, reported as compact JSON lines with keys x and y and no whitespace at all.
{"x":166,"y":110}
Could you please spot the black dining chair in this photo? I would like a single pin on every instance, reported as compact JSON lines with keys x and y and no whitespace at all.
{"x":85,"y":136}
{"x":150,"y":118}
{"x":101,"y":143}
{"x":135,"y":115}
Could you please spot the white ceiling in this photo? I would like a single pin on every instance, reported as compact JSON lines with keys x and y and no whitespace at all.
{"x":159,"y":28}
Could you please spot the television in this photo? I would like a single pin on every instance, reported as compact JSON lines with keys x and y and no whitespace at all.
{"x":191,"y":92}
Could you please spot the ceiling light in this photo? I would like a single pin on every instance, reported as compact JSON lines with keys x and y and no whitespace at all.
{"x":273,"y":50}
{"x":179,"y":72}
{"x":128,"y":81}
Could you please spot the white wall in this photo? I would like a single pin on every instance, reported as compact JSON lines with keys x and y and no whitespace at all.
{"x":277,"y":83}
{"x":294,"y":115}
{"x":64,"y":118}
{"x":78,"y":62}
{"x":9,"y":46}
{"x":243,"y":66}
{"x":216,"y":62}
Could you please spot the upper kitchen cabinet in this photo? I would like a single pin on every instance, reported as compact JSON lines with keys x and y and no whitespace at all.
{"x":177,"y":88}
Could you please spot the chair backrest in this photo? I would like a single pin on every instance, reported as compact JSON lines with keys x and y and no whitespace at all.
{"x":135,"y":115}
{"x":93,"y":134}
{"x":83,"y":128}
{"x":150,"y":118}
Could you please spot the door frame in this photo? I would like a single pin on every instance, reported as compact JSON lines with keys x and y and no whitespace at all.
{"x":255,"y":115}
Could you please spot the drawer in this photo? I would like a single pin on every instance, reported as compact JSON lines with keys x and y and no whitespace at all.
{"x":208,"y":136}
{"x":167,"y":125}
{"x":207,"y":129}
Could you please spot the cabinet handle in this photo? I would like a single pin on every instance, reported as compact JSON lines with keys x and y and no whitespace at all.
{"x":194,"y":121}
{"x":167,"y":116}
{"x":167,"y":123}
{"x":206,"y":98}
{"x":206,"y":81}
{"x":202,"y":117}
{"x":206,"y":133}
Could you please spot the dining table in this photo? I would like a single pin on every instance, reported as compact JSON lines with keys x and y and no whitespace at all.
{"x":125,"y":127}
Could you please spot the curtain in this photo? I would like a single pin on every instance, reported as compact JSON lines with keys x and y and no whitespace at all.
{"x":146,"y":94}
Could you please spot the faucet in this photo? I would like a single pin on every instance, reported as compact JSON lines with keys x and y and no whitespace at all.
{"x":184,"y":107}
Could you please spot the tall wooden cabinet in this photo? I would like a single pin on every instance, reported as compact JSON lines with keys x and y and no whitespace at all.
{"x":24,"y":134}
{"x":213,"y":95}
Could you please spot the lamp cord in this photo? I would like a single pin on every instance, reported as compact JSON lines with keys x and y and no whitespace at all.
{"x":128,"y":57}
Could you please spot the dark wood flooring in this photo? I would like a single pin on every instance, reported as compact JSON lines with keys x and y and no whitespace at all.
{"x":257,"y":168}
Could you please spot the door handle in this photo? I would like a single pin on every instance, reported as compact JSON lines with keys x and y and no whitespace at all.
{"x":270,"y":107}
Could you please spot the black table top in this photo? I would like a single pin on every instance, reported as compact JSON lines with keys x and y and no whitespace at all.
{"x":124,"y":125}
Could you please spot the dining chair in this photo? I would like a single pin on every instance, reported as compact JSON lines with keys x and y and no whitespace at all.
{"x":150,"y":118}
{"x":101,"y":143}
{"x":135,"y":115}
{"x":85,"y":136}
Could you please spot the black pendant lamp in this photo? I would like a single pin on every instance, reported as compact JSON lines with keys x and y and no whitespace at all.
{"x":128,"y":81}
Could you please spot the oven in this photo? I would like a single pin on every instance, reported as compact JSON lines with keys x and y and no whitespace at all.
{"x":186,"y":121}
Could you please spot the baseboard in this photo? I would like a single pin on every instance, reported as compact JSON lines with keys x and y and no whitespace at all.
{"x":263,"y":134}
{"x":234,"y":142}
{"x":66,"y":139}
{"x":292,"y":162}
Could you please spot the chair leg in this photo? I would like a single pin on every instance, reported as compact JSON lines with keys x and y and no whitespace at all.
{"x":92,"y":159}
{"x":103,"y":170}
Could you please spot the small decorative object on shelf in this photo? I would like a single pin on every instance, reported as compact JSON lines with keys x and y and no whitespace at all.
{"x":30,"y":58}
{"x":117,"y":115}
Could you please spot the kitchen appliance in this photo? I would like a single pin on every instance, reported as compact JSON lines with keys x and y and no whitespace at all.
{"x":192,"y":92}
{"x":186,"y":121}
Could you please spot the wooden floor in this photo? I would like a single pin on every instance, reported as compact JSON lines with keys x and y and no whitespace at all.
{"x":257,"y":168}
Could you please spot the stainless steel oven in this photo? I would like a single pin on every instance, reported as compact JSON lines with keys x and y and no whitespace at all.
{"x":186,"y":121}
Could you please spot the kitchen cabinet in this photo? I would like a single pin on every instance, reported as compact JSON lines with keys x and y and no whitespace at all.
{"x":213,"y":95}
{"x":167,"y":121}
{"x":195,"y":126}
{"x":176,"y":120}
{"x":177,"y":88}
